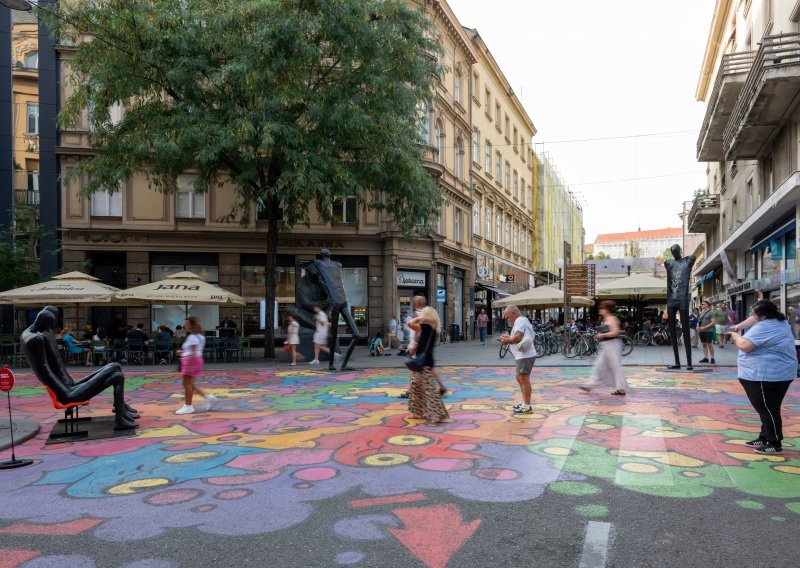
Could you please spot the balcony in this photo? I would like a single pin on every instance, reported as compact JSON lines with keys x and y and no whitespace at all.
{"x":704,"y":214}
{"x":430,"y":160}
{"x":26,"y":197}
{"x":769,"y":96}
{"x":730,"y":78}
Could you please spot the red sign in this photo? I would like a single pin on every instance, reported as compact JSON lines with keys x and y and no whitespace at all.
{"x":6,"y":380}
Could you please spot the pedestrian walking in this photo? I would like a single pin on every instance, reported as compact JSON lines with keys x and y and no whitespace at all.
{"x":391,"y":335}
{"x":293,"y":338}
{"x":693,"y":327}
{"x":191,"y":354}
{"x":607,"y":372}
{"x":705,"y":326}
{"x":520,"y":340}
{"x":720,"y":321}
{"x":320,"y":335}
{"x":483,"y":325}
{"x":767,"y":366}
{"x":418,"y":304}
{"x":424,"y":399}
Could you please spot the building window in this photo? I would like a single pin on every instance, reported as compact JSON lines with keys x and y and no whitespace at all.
{"x":516,"y":149}
{"x":508,"y":177}
{"x":345,"y":210}
{"x":508,"y":234}
{"x":475,"y":86}
{"x":488,"y":223}
{"x":457,"y":86}
{"x":522,"y":189}
{"x":498,"y":222}
{"x":188,"y":203}
{"x":498,"y":167}
{"x":476,"y":218}
{"x":32,"y":60}
{"x":497,"y":116}
{"x":508,"y":127}
{"x":516,"y":185}
{"x":457,"y":226}
{"x":439,"y":223}
{"x":516,"y":240}
{"x":425,"y":122}
{"x":459,"y":159}
{"x":107,"y":204}
{"x":261,"y":211}
{"x":487,"y":104}
{"x":32,"y":124}
{"x":476,"y":146}
{"x":488,"y":167}
{"x":439,"y":134}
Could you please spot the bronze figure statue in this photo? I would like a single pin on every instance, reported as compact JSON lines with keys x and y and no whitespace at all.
{"x":679,"y":272}
{"x":38,"y":345}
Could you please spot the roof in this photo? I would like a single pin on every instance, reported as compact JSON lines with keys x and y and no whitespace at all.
{"x":668,"y":233}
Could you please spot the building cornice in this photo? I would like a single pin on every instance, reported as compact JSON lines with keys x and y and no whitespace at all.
{"x":448,"y":18}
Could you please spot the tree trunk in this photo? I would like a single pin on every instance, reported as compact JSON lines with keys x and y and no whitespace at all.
{"x":270,"y":281}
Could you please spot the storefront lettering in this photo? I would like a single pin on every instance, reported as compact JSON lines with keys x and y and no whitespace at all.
{"x":312,"y":243}
{"x":411,"y":279}
{"x":177,"y":287}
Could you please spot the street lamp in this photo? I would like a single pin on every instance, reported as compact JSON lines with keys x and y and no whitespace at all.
{"x":19,"y":5}
{"x":560,"y":266}
{"x":628,"y":262}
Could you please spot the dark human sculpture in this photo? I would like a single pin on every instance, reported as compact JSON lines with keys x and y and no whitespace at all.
{"x":38,"y":345}
{"x":679,"y":272}
{"x":322,"y":286}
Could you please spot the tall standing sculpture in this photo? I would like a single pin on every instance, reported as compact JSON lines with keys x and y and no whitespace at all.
{"x":322,"y":286}
{"x":679,"y":273}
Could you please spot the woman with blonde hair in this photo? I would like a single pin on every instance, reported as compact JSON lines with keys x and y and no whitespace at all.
{"x":424,"y":401}
{"x":191,"y":354}
{"x":607,"y":372}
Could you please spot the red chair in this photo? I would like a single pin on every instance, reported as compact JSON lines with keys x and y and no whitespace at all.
{"x":71,"y":418}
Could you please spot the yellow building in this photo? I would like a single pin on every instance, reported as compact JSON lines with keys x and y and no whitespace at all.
{"x":25,"y":109}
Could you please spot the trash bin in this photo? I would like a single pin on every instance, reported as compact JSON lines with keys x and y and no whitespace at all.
{"x":455,"y":332}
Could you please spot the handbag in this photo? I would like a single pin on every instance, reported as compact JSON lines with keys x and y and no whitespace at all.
{"x":526,"y":342}
{"x":417,"y":362}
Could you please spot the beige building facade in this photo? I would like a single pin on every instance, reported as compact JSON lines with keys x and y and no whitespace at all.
{"x":750,"y":143}
{"x":136,"y":235}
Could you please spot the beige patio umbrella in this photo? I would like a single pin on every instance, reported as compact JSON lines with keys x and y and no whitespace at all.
{"x":181,"y":288}
{"x":640,"y":286}
{"x":542,"y":297}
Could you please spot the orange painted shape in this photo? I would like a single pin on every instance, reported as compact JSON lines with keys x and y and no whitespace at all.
{"x":11,"y":557}
{"x":70,"y":528}
{"x":433,"y":534}
{"x":388,"y":500}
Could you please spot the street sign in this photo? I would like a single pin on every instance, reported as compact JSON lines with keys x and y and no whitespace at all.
{"x":441,"y":295}
{"x":508,"y":278}
{"x":580,"y":280}
{"x":6,"y":380}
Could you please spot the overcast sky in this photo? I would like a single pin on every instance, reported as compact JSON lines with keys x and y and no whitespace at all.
{"x":590,"y":69}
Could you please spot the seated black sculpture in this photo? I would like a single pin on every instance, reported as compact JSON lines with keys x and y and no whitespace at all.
{"x":38,"y":346}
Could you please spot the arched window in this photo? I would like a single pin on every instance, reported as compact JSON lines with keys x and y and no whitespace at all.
{"x":439,"y":134}
{"x":457,"y":86}
{"x":459,"y":159}
{"x":425,"y":122}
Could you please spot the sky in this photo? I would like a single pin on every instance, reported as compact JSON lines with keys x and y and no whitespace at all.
{"x":586,"y":69}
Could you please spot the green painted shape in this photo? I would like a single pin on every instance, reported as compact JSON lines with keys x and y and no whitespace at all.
{"x":746,"y":504}
{"x":592,"y":510}
{"x":793,"y":507}
{"x":577,"y":488}
{"x":777,"y":518}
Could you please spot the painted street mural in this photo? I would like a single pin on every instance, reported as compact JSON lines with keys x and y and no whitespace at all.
{"x":279,"y":444}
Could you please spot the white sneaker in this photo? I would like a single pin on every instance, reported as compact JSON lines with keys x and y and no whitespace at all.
{"x":314,"y":362}
{"x":337,"y":356}
{"x":185,"y":409}
{"x":209,"y":402}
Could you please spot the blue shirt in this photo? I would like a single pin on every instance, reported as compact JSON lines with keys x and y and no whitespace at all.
{"x":774,"y":358}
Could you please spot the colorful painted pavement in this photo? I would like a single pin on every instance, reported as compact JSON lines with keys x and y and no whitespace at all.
{"x":280,"y":444}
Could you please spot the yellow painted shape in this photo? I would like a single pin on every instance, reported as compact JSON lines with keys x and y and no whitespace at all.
{"x":409,"y":440}
{"x":169,"y":432}
{"x":787,"y":469}
{"x":664,"y":434}
{"x":385,"y":460}
{"x":190,"y":457}
{"x":755,"y":457}
{"x":690,"y":474}
{"x":132,"y":487}
{"x":638,"y":467}
{"x":557,"y":451}
{"x":599,"y":426}
{"x":667,"y":458}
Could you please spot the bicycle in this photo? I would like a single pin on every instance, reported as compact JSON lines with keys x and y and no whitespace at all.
{"x":504,"y":348}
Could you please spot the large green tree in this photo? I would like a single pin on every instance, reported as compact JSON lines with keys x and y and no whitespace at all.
{"x":296,"y":103}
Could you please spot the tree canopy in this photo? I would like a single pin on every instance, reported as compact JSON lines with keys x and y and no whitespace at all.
{"x":296,"y":103}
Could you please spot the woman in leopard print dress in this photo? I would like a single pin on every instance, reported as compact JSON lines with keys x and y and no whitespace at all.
{"x":424,"y":400}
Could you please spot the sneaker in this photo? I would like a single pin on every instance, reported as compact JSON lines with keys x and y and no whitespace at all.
{"x":523,"y":409}
{"x":757,"y":443}
{"x":703,"y":360}
{"x":713,"y":362}
{"x":769,"y":448}
{"x":185,"y":409}
{"x":337,"y":356}
{"x":209,"y":402}
{"x":518,"y":405}
{"x":314,"y":362}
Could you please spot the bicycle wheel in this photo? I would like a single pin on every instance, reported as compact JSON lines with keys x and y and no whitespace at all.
{"x":539,"y":344}
{"x":570,"y":347}
{"x":583,"y":348}
{"x":641,"y":338}
{"x":627,"y":345}
{"x":503,"y":350}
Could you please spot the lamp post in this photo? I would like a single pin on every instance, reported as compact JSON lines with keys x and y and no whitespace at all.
{"x":560,"y":266}
{"x":628,"y":262}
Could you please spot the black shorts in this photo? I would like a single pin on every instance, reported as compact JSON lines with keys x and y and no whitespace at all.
{"x":706,"y":337}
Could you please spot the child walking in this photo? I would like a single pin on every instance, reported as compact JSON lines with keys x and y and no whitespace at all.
{"x":191,"y":354}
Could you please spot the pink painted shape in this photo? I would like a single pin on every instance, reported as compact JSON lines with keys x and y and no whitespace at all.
{"x":389,"y":500}
{"x":433,"y":534}
{"x":173,"y":496}
{"x":464,"y":447}
{"x":11,"y":557}
{"x":315,"y":473}
{"x":70,"y":528}
{"x":497,"y":474}
{"x":233,"y":494}
{"x":442,"y":464}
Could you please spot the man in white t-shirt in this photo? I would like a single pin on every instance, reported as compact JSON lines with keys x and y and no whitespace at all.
{"x":320,"y":334}
{"x":392,"y":335}
{"x":525,"y":358}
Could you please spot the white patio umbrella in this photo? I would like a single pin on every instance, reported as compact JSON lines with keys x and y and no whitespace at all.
{"x":181,"y":288}
{"x":641,"y":286}
{"x":542,"y":297}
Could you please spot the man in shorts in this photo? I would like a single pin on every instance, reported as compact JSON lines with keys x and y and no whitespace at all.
{"x":524,"y":358}
{"x":705,"y":324}
{"x":721,"y":320}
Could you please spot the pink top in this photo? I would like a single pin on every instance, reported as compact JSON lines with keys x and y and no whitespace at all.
{"x":483,"y":320}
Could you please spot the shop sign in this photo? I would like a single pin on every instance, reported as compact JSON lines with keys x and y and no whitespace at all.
{"x":483,"y":271}
{"x":441,"y":295}
{"x":6,"y":380}
{"x":411,"y":279}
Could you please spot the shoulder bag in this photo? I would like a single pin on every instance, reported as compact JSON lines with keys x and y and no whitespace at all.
{"x":417,"y":362}
{"x":527,"y":340}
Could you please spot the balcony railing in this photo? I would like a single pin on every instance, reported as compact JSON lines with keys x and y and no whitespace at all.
{"x":727,"y":86}
{"x":704,"y":213}
{"x":26,"y":197}
{"x":762,"y":106}
{"x":430,"y":160}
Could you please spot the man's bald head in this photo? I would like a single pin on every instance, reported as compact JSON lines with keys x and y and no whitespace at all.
{"x":419,"y":302}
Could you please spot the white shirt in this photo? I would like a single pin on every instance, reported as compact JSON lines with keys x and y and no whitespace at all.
{"x":522,"y":324}
{"x":393,"y":326}
{"x":193,"y":346}
{"x":322,"y":322}
{"x":412,"y":335}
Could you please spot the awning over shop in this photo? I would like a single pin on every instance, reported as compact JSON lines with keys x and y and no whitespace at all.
{"x":703,"y":279}
{"x":498,"y":291}
{"x":761,"y":241}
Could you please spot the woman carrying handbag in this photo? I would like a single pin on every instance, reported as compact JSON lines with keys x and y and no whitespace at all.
{"x":424,"y":401}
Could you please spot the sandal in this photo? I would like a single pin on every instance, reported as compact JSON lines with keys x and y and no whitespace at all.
{"x":403,"y":394}
{"x":618,"y":392}
{"x":442,"y":392}
{"x":585,"y":388}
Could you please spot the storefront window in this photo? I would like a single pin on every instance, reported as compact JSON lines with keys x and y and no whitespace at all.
{"x":793,"y":308}
{"x":769,"y":263}
{"x":791,"y":252}
{"x":356,"y":288}
{"x":458,"y":302}
{"x":253,"y":283}
{"x":749,"y":266}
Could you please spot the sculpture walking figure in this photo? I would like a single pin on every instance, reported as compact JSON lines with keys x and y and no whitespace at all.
{"x":679,"y":272}
{"x":322,"y":286}
{"x":38,"y":346}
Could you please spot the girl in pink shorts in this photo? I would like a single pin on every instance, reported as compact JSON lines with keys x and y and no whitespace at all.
{"x":191,"y":354}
